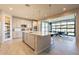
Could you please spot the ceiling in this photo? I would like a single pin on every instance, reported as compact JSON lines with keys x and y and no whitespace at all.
{"x":35,"y":11}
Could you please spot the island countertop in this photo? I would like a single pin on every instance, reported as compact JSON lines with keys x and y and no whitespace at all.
{"x":38,"y":33}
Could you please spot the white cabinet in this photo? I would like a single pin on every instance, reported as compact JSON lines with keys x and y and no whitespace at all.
{"x":31,"y":40}
{"x":6,"y":27}
{"x":28,"y":39}
{"x":25,"y":37}
{"x":17,"y":34}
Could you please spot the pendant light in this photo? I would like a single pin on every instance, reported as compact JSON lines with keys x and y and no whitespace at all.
{"x":50,"y":13}
{"x":38,"y":17}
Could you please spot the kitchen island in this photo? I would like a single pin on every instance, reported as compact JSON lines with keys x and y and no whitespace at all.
{"x":37,"y":41}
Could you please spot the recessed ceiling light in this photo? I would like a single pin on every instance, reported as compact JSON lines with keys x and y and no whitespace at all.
{"x":64,"y":9}
{"x":10,"y":8}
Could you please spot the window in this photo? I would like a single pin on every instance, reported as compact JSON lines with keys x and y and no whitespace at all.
{"x":71,"y":34}
{"x":66,"y":25}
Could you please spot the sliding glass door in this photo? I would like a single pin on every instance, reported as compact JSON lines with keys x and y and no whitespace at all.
{"x":66,"y":25}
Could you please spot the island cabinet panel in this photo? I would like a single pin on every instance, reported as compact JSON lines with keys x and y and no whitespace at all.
{"x":43,"y":42}
{"x":31,"y":40}
{"x":25,"y":37}
{"x":37,"y":41}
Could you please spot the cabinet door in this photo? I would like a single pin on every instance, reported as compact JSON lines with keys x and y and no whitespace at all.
{"x":25,"y":37}
{"x":31,"y":40}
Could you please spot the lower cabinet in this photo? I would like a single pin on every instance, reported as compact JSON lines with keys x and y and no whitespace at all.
{"x":31,"y":40}
{"x":38,"y":42}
